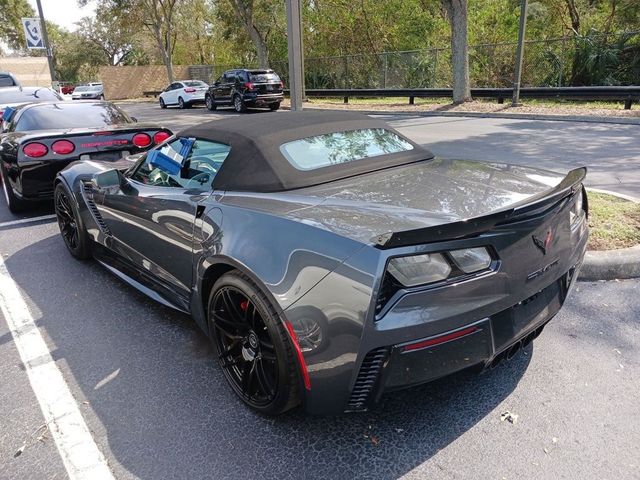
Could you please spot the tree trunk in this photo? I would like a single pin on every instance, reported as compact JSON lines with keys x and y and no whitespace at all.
{"x":457,"y":12}
{"x":261,"y":46}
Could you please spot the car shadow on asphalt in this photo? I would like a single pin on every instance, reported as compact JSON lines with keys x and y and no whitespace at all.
{"x":151,"y":391}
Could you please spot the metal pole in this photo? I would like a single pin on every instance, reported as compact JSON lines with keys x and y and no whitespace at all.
{"x":294,"y":40}
{"x":45,"y":39}
{"x":520,"y":53}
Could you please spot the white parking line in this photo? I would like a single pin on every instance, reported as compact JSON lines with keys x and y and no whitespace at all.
{"x":27,"y":220}
{"x":80,"y":454}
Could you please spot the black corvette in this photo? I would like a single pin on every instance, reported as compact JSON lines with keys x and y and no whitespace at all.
{"x":329,"y":258}
{"x":40,"y":139}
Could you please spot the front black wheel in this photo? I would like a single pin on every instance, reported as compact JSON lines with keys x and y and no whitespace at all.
{"x":253,"y":345}
{"x":70,"y":223}
{"x":162,"y":104}
{"x":15,"y":204}
{"x":210,"y":103}
{"x":274,"y":106}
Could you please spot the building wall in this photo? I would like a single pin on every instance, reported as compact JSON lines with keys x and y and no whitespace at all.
{"x":30,"y":71}
{"x":132,"y":81}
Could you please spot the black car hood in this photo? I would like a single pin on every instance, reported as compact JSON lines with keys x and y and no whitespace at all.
{"x":408,"y":197}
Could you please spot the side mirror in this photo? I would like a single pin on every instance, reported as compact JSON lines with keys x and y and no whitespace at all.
{"x":108,"y":180}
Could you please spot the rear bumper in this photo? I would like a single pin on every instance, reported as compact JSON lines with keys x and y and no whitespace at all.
{"x":258,"y":100}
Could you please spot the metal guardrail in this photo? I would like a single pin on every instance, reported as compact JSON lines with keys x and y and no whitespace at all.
{"x":626,"y":94}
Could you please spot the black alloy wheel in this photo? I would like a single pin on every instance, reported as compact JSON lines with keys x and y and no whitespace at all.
{"x":210,"y":102}
{"x":238,"y":104}
{"x":71,"y":227}
{"x":162,"y":104}
{"x":254,"y":349}
{"x":274,"y":106}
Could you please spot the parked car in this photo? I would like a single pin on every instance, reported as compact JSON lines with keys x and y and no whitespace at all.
{"x":40,"y":139}
{"x":88,"y":92}
{"x":8,"y":80}
{"x":67,"y":88}
{"x":184,"y":94}
{"x":244,"y":89}
{"x":12,"y":96}
{"x":329,"y":258}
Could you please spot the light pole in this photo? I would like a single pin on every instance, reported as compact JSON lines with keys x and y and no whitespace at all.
{"x":45,"y":39}
{"x":294,"y":40}
{"x":520,"y":53}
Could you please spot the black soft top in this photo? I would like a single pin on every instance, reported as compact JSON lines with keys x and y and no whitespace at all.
{"x":256,"y":164}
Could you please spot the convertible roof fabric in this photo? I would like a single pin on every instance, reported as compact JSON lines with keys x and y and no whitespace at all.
{"x":256,"y":164}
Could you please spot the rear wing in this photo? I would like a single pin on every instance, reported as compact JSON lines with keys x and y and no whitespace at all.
{"x":474,"y":226}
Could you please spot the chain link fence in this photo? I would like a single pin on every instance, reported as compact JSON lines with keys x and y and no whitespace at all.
{"x":590,"y":60}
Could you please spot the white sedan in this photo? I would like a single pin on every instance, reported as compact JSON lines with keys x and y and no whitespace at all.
{"x":184,"y":93}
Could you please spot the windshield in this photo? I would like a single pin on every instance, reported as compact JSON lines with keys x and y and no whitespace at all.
{"x":341,"y":147}
{"x":88,"y":88}
{"x":72,"y":115}
{"x":28,"y":95}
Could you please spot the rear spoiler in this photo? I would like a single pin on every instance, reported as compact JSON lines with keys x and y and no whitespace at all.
{"x":474,"y":226}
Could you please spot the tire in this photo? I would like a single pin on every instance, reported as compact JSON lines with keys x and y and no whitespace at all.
{"x":102,"y":97}
{"x":72,"y":228}
{"x":274,"y":106}
{"x":256,"y":341}
{"x":238,"y":104}
{"x":162,"y":104}
{"x":15,"y":204}
{"x":209,"y":101}
{"x":181,"y":103}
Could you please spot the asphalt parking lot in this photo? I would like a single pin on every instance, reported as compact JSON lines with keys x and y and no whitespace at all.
{"x":157,"y":406}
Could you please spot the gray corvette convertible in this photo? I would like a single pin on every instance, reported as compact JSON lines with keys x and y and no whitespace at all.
{"x":329,"y":258}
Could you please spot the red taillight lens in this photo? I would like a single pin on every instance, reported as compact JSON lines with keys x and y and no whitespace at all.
{"x":249,"y":85}
{"x":189,"y":90}
{"x":160,"y":137}
{"x":63,"y":147}
{"x":141,"y":140}
{"x":35,"y":150}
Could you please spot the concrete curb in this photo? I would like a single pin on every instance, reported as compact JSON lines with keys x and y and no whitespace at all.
{"x":611,"y":264}
{"x":517,"y":116}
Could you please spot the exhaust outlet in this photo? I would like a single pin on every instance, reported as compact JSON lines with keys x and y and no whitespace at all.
{"x":513,"y":350}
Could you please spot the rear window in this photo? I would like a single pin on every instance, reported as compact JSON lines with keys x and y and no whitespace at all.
{"x":6,"y":81}
{"x":195,"y":84}
{"x":71,"y":115}
{"x":341,"y":147}
{"x":257,"y":77}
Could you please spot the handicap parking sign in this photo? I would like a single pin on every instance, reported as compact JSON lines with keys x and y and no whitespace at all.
{"x":33,"y":32}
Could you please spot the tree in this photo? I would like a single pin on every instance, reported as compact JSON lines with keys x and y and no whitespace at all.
{"x":245,"y":12}
{"x":111,"y":35}
{"x":11,"y":13}
{"x":457,"y":13}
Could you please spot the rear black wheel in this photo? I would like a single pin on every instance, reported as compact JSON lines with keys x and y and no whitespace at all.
{"x":70,"y":223}
{"x":181,"y":103}
{"x":210,"y":103}
{"x":254,"y":349}
{"x":15,"y":204}
{"x":238,"y":104}
{"x":274,"y":106}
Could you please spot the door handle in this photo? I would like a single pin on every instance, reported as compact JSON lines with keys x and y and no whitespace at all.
{"x":199,"y":211}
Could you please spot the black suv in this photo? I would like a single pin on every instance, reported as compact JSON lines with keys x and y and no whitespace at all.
{"x":243,"y":88}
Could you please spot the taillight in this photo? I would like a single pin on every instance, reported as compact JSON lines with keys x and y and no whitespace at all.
{"x":63,"y":147}
{"x":141,"y":140}
{"x":249,"y":86}
{"x":189,"y":90}
{"x":35,"y":150}
{"x":160,"y":137}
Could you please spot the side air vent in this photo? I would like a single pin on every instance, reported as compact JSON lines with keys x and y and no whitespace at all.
{"x":87,"y":193}
{"x":388,"y":288}
{"x":367,"y":378}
